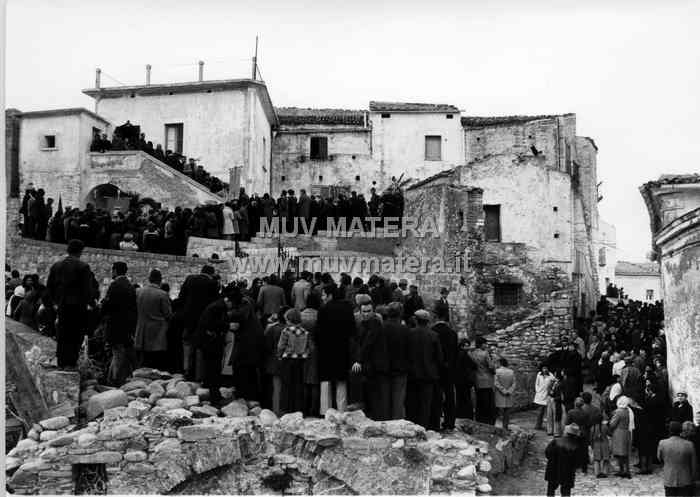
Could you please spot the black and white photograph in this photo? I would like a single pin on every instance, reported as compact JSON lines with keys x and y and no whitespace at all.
{"x":325,"y":247}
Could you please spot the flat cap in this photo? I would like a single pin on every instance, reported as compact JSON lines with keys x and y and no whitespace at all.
{"x":422,"y":314}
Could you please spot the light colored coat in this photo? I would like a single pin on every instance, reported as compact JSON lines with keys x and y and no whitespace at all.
{"x":228,"y":224}
{"x":621,"y":443}
{"x":680,"y":461}
{"x":504,"y":387}
{"x":485,"y":368}
{"x":542,"y":384}
{"x":153,"y":313}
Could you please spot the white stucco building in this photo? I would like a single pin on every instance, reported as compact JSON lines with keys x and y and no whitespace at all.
{"x":639,"y":280}
{"x":224,"y":123}
{"x":607,"y":255}
{"x":53,"y":149}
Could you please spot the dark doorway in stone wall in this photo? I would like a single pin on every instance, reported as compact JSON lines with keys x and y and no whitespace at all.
{"x":108,"y":197}
{"x":90,"y":479}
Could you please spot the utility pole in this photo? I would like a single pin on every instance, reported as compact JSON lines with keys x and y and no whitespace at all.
{"x":255,"y":59}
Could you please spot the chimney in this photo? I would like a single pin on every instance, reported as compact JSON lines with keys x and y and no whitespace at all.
{"x":255,"y":67}
{"x":98,"y":71}
{"x":148,"y":74}
{"x":201,"y":71}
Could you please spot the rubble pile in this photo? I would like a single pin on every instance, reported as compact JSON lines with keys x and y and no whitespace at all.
{"x":158,"y":432}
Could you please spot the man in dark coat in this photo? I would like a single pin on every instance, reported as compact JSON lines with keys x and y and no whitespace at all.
{"x":631,"y":380}
{"x":446,"y":396}
{"x":196,"y":293}
{"x":248,"y":346}
{"x":562,"y":460}
{"x":304,"y":209}
{"x":442,"y":307}
{"x":73,"y":289}
{"x":578,"y":416}
{"x":412,"y":303}
{"x":374,"y":363}
{"x":213,"y":325}
{"x":396,"y":336}
{"x":335,"y":326}
{"x":681,"y":409}
{"x":425,"y":360}
{"x":120,"y":314}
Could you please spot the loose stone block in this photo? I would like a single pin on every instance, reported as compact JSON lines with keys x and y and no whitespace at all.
{"x":55,"y":423}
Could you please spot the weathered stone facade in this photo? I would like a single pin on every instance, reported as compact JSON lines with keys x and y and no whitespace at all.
{"x":674,"y":209}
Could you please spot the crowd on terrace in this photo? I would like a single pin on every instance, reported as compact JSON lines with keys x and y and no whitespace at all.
{"x":147,"y":227}
{"x":128,"y":137}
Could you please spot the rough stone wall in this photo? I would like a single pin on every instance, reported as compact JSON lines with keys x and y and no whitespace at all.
{"x":156,"y":432}
{"x":59,"y":389}
{"x":528,"y":342}
{"x":31,"y":256}
{"x":549,"y":135}
{"x":349,"y":156}
{"x":138,"y":172}
{"x":12,"y":127}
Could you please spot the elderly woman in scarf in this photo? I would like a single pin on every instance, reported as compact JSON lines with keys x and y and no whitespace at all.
{"x":621,"y":428}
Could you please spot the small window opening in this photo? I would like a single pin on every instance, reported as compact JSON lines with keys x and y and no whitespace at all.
{"x":555,"y":208}
{"x":353,"y":157}
{"x":357,"y":178}
{"x":433,"y":147}
{"x":49,"y":141}
{"x":133,"y":95}
{"x":319,"y":148}
{"x":449,"y":116}
{"x":478,"y":139}
{"x":320,"y":178}
{"x":284,"y":178}
{"x":529,"y":137}
{"x":507,"y":293}
{"x":556,"y":235}
{"x":386,"y":116}
{"x":492,"y":223}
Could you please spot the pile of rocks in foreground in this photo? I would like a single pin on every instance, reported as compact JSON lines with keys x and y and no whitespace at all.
{"x":157,"y":432}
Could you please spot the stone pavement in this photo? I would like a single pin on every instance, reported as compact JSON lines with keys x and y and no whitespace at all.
{"x":528,"y":479}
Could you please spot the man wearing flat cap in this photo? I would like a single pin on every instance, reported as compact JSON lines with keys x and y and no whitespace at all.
{"x":562,"y":460}
{"x":425,"y":358}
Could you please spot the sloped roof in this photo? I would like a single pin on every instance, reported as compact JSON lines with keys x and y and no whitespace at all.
{"x":626,"y":268}
{"x":62,"y":112}
{"x":411,"y":107}
{"x":296,"y":116}
{"x":479,"y":121}
{"x":674,"y":179}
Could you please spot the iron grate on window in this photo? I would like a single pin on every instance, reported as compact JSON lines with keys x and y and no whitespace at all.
{"x":507,"y":293}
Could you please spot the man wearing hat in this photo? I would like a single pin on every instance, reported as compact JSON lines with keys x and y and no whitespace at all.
{"x":413,"y":303}
{"x":681,"y":410}
{"x":72,"y":288}
{"x":562,"y":460}
{"x":441,"y":304}
{"x":425,"y":358}
{"x":631,"y":380}
{"x":448,"y":371}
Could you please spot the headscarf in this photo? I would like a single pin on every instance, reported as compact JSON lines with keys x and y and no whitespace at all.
{"x":624,"y":403}
{"x":19,"y":293}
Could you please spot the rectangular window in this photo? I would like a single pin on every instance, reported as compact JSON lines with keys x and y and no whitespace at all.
{"x":49,"y":141}
{"x":386,"y":116}
{"x":492,"y":223}
{"x":650,"y":294}
{"x":506,"y":293}
{"x":173,"y":137}
{"x":433,"y":147}
{"x":319,"y":148}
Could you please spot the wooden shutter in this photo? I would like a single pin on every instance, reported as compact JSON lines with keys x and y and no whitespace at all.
{"x":492,"y":223}
{"x":433,"y":148}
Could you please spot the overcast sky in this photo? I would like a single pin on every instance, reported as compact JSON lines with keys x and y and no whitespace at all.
{"x":630,"y":70}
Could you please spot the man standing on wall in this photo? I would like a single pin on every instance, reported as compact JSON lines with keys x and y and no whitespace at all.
{"x":73,"y":289}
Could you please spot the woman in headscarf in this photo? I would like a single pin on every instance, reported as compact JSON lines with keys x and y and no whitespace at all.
{"x":622,"y":426}
{"x":555,"y":408}
{"x":14,"y":300}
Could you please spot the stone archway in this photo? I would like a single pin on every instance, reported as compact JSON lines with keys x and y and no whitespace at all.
{"x":108,"y":197}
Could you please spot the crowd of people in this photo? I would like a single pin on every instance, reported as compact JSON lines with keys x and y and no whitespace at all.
{"x":128,"y":137}
{"x":621,"y":351}
{"x":311,"y":343}
{"x":149,"y":228}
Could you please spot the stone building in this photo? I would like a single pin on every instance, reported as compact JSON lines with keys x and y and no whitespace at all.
{"x":224,"y":124}
{"x":639,"y":280}
{"x":673,"y":202}
{"x":607,"y":255}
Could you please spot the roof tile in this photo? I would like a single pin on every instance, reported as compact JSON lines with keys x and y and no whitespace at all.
{"x":411,"y":107}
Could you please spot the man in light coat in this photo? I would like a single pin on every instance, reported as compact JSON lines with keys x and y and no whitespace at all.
{"x":680,"y":462}
{"x":153,"y":314}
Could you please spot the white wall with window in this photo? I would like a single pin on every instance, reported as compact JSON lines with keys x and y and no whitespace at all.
{"x":646,"y":288}
{"x":417,"y":145}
